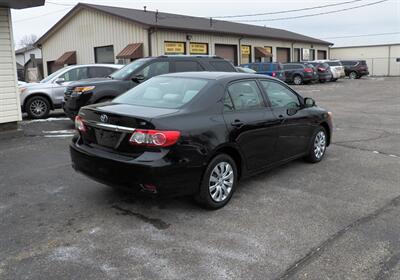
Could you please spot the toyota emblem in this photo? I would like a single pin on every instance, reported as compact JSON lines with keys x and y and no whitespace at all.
{"x":104,"y":118}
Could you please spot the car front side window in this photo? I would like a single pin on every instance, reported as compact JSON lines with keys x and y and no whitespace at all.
{"x":280,"y":96}
{"x":155,"y":69}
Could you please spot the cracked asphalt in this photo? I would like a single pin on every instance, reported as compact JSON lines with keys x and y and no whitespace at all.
{"x":339,"y":219}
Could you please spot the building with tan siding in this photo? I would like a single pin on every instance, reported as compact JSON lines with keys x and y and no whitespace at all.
{"x":103,"y":34}
{"x":382,"y":60}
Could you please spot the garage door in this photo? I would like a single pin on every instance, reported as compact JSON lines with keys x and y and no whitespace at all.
{"x":321,"y":54}
{"x":282,"y":55}
{"x":229,"y":52}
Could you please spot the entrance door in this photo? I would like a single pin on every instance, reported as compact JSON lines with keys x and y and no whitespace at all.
{"x":282,"y":55}
{"x":321,"y":54}
{"x":229,"y":52}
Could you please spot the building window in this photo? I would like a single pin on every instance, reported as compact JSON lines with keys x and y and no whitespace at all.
{"x":198,"y":48}
{"x":174,"y":48}
{"x":268,"y":50}
{"x":246,"y":54}
{"x":296,"y":55}
{"x":104,"y":54}
{"x":312,"y":54}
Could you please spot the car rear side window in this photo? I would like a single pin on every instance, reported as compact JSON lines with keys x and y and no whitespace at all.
{"x":187,"y":66}
{"x":222,"y":66}
{"x":98,"y":72}
{"x":245,"y":95}
{"x":279,"y":95}
{"x":163,"y":92}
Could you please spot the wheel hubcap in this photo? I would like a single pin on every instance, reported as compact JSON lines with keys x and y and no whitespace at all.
{"x":221,"y":181}
{"x":297,"y":80}
{"x":352,"y":75}
{"x":319,"y":144}
{"x":38,"y":107}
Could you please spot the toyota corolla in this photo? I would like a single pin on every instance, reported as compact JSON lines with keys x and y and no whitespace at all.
{"x":198,"y":134}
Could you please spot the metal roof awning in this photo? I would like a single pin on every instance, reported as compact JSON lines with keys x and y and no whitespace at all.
{"x":134,"y":50}
{"x":66,"y":58}
{"x":262,"y":52}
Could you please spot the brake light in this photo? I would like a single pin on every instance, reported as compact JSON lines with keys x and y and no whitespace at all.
{"x":79,"y":125}
{"x":154,"y":138}
{"x":308,"y":70}
{"x":321,"y":69}
{"x":273,"y":74}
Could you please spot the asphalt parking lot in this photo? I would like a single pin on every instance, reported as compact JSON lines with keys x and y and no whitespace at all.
{"x":339,"y":219}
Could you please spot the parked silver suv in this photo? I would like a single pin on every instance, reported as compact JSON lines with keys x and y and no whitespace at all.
{"x":37,"y":99}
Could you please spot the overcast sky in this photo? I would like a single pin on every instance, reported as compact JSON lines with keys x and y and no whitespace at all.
{"x":381,"y":18}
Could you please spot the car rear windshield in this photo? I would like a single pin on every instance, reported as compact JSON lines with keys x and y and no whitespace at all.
{"x":163,"y":92}
{"x":334,"y":63}
{"x":127,"y":70}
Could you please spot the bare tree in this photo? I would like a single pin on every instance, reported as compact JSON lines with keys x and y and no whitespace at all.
{"x":28,"y":40}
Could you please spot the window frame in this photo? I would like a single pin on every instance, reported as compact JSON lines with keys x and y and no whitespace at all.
{"x":96,"y":58}
{"x":227,"y":93}
{"x":265,"y":93}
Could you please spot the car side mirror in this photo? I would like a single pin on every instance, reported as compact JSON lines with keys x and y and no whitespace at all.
{"x":309,"y":102}
{"x":60,"y":81}
{"x":138,"y":78}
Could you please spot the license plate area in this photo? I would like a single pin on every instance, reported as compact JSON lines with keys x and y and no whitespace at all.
{"x":109,"y":139}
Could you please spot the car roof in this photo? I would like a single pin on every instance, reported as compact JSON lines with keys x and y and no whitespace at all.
{"x":217,"y":75}
{"x":116,"y":66}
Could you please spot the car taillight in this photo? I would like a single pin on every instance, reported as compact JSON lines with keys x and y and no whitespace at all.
{"x":273,"y":74}
{"x":154,"y":138}
{"x":79,"y":125}
{"x":308,"y":70}
{"x":321,"y":69}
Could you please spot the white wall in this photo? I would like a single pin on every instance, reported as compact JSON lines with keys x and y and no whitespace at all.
{"x":381,"y":60}
{"x":10,"y":110}
{"x":23,"y":58}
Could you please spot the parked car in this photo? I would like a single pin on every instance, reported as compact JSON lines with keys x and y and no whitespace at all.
{"x":355,"y":69}
{"x":323,"y":71}
{"x":172,"y":134}
{"x":273,"y":69}
{"x":38,"y":99}
{"x":299,"y":73}
{"x":336,"y":69}
{"x":99,"y":90}
{"x":245,"y":70}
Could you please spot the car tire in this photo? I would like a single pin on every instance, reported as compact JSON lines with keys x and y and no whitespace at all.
{"x":353,"y":75}
{"x":37,"y":107}
{"x":317,"y":147}
{"x":322,"y":81}
{"x":215,"y":191}
{"x":297,"y":80}
{"x":334,"y":80}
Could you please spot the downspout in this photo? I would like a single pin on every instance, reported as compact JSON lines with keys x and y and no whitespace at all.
{"x":292,"y":53}
{"x":149,"y":42}
{"x":240,"y":51}
{"x":389,"y":54}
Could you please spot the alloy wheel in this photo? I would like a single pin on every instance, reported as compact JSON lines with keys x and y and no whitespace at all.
{"x":353,"y":75}
{"x":221,"y":181}
{"x":297,"y":80}
{"x":38,"y":107}
{"x":319,"y":144}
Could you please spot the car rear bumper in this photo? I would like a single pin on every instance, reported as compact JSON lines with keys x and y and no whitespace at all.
{"x":324,"y":76}
{"x":169,"y":177}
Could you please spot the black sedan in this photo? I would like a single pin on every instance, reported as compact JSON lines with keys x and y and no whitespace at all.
{"x":198,"y":133}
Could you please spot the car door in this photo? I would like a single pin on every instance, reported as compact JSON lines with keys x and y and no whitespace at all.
{"x":70,"y":76}
{"x":295,"y":128}
{"x":289,"y":70}
{"x":250,"y":123}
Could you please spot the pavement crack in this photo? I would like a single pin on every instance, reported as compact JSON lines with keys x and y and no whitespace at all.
{"x":316,"y":251}
{"x":157,"y":223}
{"x":387,"y":267}
{"x":366,"y":150}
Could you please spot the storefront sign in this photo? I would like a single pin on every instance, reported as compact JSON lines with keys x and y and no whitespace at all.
{"x":268,"y":50}
{"x":198,"y":48}
{"x":174,"y":48}
{"x":246,"y":50}
{"x":306,"y":54}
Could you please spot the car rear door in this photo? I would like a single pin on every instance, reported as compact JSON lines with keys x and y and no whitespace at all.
{"x":295,"y":128}
{"x":251,"y":125}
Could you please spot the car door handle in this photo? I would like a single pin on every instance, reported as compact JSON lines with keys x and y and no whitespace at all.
{"x":237,"y":123}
